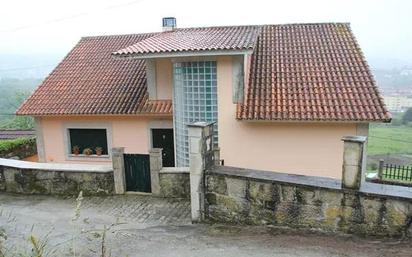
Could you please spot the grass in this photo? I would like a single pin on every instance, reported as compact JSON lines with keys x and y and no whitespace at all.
{"x":390,"y":139}
{"x":392,"y":143}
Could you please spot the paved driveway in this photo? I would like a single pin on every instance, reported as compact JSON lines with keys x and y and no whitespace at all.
{"x":145,"y":226}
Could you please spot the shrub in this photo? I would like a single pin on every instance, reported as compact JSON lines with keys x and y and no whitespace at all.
{"x":407,"y":117}
{"x":9,"y":145}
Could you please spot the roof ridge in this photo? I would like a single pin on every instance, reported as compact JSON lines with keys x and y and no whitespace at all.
{"x":216,"y":26}
{"x":120,"y":35}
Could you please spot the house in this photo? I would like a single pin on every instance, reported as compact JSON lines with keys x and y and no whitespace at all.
{"x":9,"y":134}
{"x":282,"y":96}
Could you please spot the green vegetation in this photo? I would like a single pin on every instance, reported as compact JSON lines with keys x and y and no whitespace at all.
{"x":9,"y":145}
{"x":390,"y":139}
{"x":407,"y":117}
{"x":392,"y":143}
{"x":13,"y":93}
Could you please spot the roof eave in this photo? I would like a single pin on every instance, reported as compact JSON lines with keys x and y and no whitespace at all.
{"x":183,"y":54}
{"x":315,"y":121}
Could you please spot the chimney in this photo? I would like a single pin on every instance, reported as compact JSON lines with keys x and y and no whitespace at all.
{"x":169,"y":23}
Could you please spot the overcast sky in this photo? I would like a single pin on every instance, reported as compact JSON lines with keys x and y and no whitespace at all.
{"x":383,"y":27}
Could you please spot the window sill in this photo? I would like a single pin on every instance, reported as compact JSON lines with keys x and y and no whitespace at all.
{"x":84,"y":157}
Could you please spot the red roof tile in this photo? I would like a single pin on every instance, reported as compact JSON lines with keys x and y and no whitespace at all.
{"x":90,"y":81}
{"x":196,"y":40}
{"x":310,"y":72}
{"x":302,"y":72}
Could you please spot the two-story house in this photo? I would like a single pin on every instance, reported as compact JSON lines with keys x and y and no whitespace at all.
{"x":282,"y":96}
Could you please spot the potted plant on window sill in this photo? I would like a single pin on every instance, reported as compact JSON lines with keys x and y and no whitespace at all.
{"x":87,"y":151}
{"x":99,"y":150}
{"x":76,"y":150}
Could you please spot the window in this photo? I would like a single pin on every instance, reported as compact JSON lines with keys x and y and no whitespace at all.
{"x":88,"y":141}
{"x":195,"y":99}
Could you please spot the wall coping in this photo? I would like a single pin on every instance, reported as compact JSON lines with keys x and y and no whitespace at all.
{"x":356,"y":139}
{"x":386,"y":190}
{"x":381,"y":190}
{"x":71,"y":167}
{"x":175,"y":170}
{"x":324,"y":182}
{"x":200,"y":124}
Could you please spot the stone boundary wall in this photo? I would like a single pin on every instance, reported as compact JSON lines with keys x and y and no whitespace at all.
{"x":174,"y":182}
{"x":58,"y":179}
{"x":21,"y":151}
{"x":258,"y":198}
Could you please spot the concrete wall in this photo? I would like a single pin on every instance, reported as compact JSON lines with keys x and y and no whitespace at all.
{"x":133,"y":133}
{"x":58,"y":179}
{"x":304,"y":203}
{"x":300,"y":148}
{"x":174,"y":182}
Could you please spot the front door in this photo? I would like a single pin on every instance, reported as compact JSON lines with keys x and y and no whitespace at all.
{"x":163,"y":138}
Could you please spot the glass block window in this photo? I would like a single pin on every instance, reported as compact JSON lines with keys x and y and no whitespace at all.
{"x":195,"y":99}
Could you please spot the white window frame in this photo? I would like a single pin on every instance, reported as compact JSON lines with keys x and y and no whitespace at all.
{"x":89,"y":125}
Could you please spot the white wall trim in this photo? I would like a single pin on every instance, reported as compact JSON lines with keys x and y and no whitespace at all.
{"x":185,"y":54}
{"x":39,"y":139}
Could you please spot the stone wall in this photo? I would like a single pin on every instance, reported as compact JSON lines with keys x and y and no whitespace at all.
{"x":58,"y":179}
{"x":21,"y":151}
{"x":258,"y":198}
{"x":174,"y":182}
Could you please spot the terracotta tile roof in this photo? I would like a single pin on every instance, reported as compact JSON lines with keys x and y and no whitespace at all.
{"x":310,"y":72}
{"x":6,"y":134}
{"x":90,"y":81}
{"x":298,"y":72}
{"x":195,"y":40}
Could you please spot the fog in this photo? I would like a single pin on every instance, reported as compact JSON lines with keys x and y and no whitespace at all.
{"x":27,"y":27}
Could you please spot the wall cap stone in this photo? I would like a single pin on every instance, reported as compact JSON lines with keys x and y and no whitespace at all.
{"x":119,"y":150}
{"x":70,"y":167}
{"x":200,"y":124}
{"x":175,"y":170}
{"x":155,"y":150}
{"x":393,"y":191}
{"x":312,"y":181}
{"x":396,"y":192}
{"x":357,"y":139}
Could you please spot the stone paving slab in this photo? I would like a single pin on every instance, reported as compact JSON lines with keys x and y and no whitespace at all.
{"x":153,"y":227}
{"x":141,"y":209}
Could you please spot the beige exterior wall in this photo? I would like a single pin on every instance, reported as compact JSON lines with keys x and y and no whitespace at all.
{"x":133,"y":133}
{"x":164,"y":79}
{"x":312,"y":149}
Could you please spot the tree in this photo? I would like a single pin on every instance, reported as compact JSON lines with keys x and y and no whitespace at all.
{"x":407,"y":117}
{"x":11,"y":104}
{"x":18,"y":122}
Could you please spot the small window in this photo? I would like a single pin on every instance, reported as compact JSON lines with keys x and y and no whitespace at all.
{"x":88,"y":141}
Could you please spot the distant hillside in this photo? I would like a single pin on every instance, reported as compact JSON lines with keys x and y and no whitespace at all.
{"x":27,"y":66}
{"x":13,"y":93}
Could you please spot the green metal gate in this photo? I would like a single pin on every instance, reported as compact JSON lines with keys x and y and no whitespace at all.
{"x":137,"y":169}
